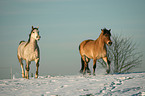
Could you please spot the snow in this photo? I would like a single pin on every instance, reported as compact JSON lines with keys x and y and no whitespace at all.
{"x":132,"y":84}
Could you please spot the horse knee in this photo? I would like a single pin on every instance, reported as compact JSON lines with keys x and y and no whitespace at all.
{"x":20,"y":60}
{"x":109,"y":62}
{"x":37,"y":65}
{"x":94,"y":66}
{"x":27,"y":68}
{"x":36,"y":72}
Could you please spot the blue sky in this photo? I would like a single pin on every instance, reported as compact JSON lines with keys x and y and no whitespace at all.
{"x":63,"y":25}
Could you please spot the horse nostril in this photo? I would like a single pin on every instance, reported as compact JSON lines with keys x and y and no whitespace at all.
{"x":110,"y":43}
{"x":38,"y":36}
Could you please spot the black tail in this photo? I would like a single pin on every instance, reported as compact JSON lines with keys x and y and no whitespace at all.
{"x":82,"y":63}
{"x":79,"y":47}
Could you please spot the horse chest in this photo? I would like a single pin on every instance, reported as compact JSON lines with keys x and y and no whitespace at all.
{"x":31,"y":53}
{"x":98,"y":56}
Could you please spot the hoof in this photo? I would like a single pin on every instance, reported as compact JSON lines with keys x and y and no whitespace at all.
{"x":36,"y":75}
{"x":107,"y":71}
{"x":27,"y":77}
{"x":88,"y":71}
{"x":23,"y":75}
{"x":84,"y":73}
{"x":81,"y":71}
{"x":94,"y":74}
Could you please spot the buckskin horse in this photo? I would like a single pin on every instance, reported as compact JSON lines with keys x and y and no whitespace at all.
{"x":95,"y":49}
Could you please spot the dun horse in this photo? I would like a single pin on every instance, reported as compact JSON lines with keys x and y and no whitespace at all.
{"x":29,"y":51}
{"x":95,"y":49}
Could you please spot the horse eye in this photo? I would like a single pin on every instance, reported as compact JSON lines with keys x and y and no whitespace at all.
{"x":33,"y":32}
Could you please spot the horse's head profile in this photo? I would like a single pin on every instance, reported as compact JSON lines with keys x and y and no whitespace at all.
{"x":106,"y":36}
{"x":35,"y":33}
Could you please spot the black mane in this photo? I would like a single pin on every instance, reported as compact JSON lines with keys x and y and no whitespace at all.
{"x":105,"y":31}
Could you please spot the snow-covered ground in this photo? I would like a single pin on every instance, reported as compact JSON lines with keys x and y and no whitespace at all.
{"x":132,"y":84}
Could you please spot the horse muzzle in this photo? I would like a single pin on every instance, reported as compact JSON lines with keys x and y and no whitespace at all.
{"x":109,"y":43}
{"x":38,"y":37}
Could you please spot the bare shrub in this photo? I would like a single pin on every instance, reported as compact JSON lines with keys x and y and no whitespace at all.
{"x":122,"y":54}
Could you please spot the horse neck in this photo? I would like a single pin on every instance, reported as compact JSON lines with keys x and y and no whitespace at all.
{"x":99,"y":41}
{"x":33,"y":42}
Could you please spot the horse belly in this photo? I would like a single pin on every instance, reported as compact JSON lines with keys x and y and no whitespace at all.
{"x":100,"y":55}
{"x":89,"y":54}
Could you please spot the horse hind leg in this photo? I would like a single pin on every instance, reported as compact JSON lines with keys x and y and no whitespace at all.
{"x":21,"y":63}
{"x":88,"y":70}
{"x":85,"y":65}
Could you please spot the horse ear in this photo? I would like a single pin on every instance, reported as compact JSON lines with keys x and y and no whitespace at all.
{"x":32,"y":27}
{"x":109,"y":29}
{"x":38,"y":27}
{"x":101,"y":29}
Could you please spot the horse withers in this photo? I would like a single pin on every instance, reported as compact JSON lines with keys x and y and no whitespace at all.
{"x":29,"y":51}
{"x":95,"y":49}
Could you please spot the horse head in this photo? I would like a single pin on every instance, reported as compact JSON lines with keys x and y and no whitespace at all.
{"x":106,"y":36}
{"x":35,"y":33}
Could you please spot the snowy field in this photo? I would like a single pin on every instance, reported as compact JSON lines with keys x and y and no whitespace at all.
{"x":132,"y":84}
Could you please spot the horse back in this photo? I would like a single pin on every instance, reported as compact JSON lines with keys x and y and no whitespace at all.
{"x":92,"y":49}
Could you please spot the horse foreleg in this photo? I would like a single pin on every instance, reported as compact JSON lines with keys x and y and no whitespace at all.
{"x":36,"y":74}
{"x":21,"y":63}
{"x":108,"y":64}
{"x":94,"y":66}
{"x":37,"y":66}
{"x":27,"y":70}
